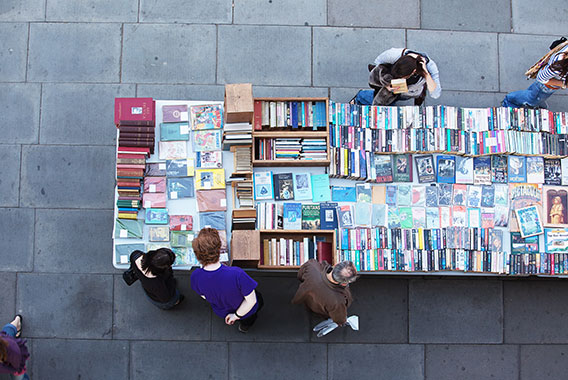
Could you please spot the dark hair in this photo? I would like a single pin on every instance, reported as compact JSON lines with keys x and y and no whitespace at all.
{"x":561,"y":67}
{"x":158,"y":261}
{"x":405,"y":66}
{"x":3,"y":350}
{"x":207,"y":246}
{"x":344,"y":272}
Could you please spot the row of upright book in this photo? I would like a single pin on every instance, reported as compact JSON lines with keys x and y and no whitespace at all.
{"x":291,"y":149}
{"x":289,"y":114}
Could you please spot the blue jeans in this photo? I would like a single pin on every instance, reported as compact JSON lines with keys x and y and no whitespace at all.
{"x":11,"y":330}
{"x":534,"y":96}
{"x":167,"y":305}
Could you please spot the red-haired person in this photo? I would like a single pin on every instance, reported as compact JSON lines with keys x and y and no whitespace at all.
{"x":13,"y":350}
{"x":229,"y":290}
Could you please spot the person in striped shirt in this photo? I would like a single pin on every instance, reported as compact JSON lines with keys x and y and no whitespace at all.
{"x":553,"y":76}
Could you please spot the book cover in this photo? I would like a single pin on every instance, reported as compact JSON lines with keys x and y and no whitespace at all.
{"x":172,"y":150}
{"x":445,"y":217}
{"x":425,"y":168}
{"x":405,"y":214}
{"x":129,"y":229}
{"x":320,"y":188}
{"x":419,"y":217}
{"x":212,"y":219}
{"x":283,"y":186}
{"x":134,"y":111}
{"x":328,"y":216}
{"x":418,"y":195}
{"x":432,"y":217}
{"x":211,"y":200}
{"x":345,"y":216}
{"x":556,"y":240}
{"x":488,"y":196}
{"x":154,"y":200}
{"x":474,"y":217}
{"x":292,"y":216}
{"x":391,"y":195}
{"x":393,"y":218}
{"x":501,"y":194}
{"x":552,"y":171}
{"x":460,"y":195}
{"x":208,"y":179}
{"x":464,"y":169}
{"x":404,"y":195}
{"x":523,"y":195}
{"x":564,"y":171}
{"x":181,"y":222}
{"x":158,"y":233}
{"x":263,"y":188}
{"x":517,"y":169}
{"x":446,"y":169}
{"x":402,"y":168}
{"x":180,"y":188}
{"x":499,"y":169}
{"x":535,"y":170}
{"x":378,"y":194}
{"x":530,"y":222}
{"x":383,"y":168}
{"x":555,"y":206}
{"x":364,"y":192}
{"x":459,"y":216}
{"x":399,"y":86}
{"x":343,"y":194}
{"x":156,"y":216}
{"x":209,"y":116}
{"x":181,"y":238}
{"x":501,"y":216}
{"x":487,"y":218}
{"x":520,"y":245}
{"x":379,"y":216}
{"x":496,"y":240}
{"x":431,"y":193}
{"x":175,"y":113}
{"x":155,"y":184}
{"x":180,"y":168}
{"x":473,"y":196}
{"x":123,"y":251}
{"x":310,"y":216}
{"x":302,"y":186}
{"x":482,"y":170}
{"x":155,"y":169}
{"x":207,"y":140}
{"x":174,"y":132}
{"x":363,"y":212}
{"x":209,"y":160}
{"x":445,"y":192}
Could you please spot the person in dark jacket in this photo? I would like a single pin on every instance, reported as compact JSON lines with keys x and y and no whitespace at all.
{"x":13,"y":350}
{"x":325,"y":289}
{"x":154,"y":270}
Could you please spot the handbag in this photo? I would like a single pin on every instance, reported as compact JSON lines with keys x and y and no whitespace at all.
{"x":129,"y":276}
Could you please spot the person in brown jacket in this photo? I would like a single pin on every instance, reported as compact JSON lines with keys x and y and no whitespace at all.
{"x":325,"y":289}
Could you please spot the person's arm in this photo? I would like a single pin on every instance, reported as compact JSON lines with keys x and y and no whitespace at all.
{"x":246,"y":306}
{"x":389,"y":56}
{"x":339,"y":314}
{"x":432,"y":79}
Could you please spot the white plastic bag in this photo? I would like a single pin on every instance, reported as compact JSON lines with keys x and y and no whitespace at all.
{"x":327,"y":326}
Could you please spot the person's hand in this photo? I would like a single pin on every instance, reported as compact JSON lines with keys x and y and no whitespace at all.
{"x":231,"y":318}
{"x":423,"y":67}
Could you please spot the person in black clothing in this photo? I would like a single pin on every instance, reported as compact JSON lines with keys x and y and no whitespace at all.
{"x":154,"y":270}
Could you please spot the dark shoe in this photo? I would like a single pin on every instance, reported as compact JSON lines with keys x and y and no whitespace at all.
{"x":19,"y":332}
{"x":243,"y":328}
{"x":181,"y":298}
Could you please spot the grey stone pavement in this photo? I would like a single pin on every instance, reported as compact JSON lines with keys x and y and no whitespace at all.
{"x":61,"y":65}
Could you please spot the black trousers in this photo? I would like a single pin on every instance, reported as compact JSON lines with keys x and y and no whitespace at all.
{"x":250,"y":320}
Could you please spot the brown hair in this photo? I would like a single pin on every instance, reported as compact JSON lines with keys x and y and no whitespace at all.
{"x":207,"y":246}
{"x":561,"y":66}
{"x":3,"y":350}
{"x":405,"y":66}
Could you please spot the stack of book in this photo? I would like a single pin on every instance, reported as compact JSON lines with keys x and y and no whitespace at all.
{"x":130,"y":165}
{"x":244,"y":219}
{"x":237,"y":134}
{"x":314,"y":149}
{"x":242,"y":156}
{"x":135,"y":120}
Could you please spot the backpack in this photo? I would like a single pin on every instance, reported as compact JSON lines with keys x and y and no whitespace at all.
{"x":555,"y":47}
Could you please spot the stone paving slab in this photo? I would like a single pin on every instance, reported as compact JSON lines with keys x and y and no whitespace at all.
{"x":449,"y":362}
{"x":7,"y":297}
{"x":16,"y":235}
{"x":516,"y":54}
{"x":455,"y":311}
{"x":259,"y":361}
{"x":13,"y":54}
{"x":160,"y":53}
{"x":247,"y":54}
{"x":535,"y":311}
{"x":58,"y":49}
{"x":332,"y":66}
{"x":80,"y":113}
{"x":364,"y":361}
{"x":543,"y":361}
{"x":478,"y":16}
{"x":558,"y":102}
{"x":67,"y":176}
{"x":180,"y":11}
{"x":375,"y":13}
{"x":22,"y":10}
{"x":20,"y":107}
{"x":296,"y":12}
{"x":66,"y":306}
{"x":93,"y":11}
{"x":9,"y":175}
{"x":278,"y":321}
{"x":467,"y":61}
{"x":73,"y":241}
{"x":181,"y":92}
{"x":191,"y":320}
{"x":550,"y":19}
{"x":179,"y":360}
{"x":377,"y":324}
{"x":80,"y":359}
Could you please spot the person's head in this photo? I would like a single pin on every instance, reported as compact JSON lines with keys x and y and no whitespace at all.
{"x":561,"y":66}
{"x":344,"y":273}
{"x":557,"y":199}
{"x":406,"y":67}
{"x":158,"y":261}
{"x":207,"y":246}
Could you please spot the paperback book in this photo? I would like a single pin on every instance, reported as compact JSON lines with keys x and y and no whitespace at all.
{"x":172,"y":150}
{"x":383,"y":168}
{"x":283,"y":186}
{"x":345,"y":216}
{"x":207,"y":179}
{"x":425,"y":168}
{"x":303,"y":186}
{"x":263,"y":188}
{"x":181,"y":222}
{"x":180,"y":188}
{"x":343,"y":194}
{"x":488,"y":196}
{"x":320,"y":188}
{"x":292,"y":216}
{"x":552,"y":171}
{"x":158,"y":233}
{"x":464,"y":169}
{"x":207,"y":140}
{"x":209,"y":116}
{"x":404,"y":195}
{"x":328,"y":216}
{"x":517,"y":169}
{"x":156,"y":216}
{"x":310,"y":216}
{"x":535,"y":170}
{"x":402,"y":168}
{"x":432,"y":196}
{"x":482,"y":170}
{"x":363,"y":213}
{"x":445,"y":192}
{"x":174,"y":132}
{"x":529,"y":220}
{"x":446,"y":169}
{"x":180,"y":168}
{"x":499,"y":169}
{"x":209,"y":159}
{"x":175,"y":113}
{"x":364,"y":192}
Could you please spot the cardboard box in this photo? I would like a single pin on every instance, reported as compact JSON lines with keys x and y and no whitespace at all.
{"x":245,"y":247}
{"x":239,"y":105}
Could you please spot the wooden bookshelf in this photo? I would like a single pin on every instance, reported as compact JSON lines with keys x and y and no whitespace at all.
{"x":328,"y":235}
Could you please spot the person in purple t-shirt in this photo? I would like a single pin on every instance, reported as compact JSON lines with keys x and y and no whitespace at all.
{"x":13,"y":350}
{"x":229,"y":290}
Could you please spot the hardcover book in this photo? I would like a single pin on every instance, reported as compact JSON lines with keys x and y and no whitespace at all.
{"x":292,"y":216}
{"x":488,"y":196}
{"x":404,"y":195}
{"x":175,"y":113}
{"x":556,"y":240}
{"x":213,"y":219}
{"x":343,"y":194}
{"x":529,"y":220}
{"x":208,"y":116}
{"x":345,"y":216}
{"x":482,"y":170}
{"x":209,"y":160}
{"x":158,"y":233}
{"x":263,"y":185}
{"x":473,"y":196}
{"x":180,"y":188}
{"x":383,"y":168}
{"x":310,"y":216}
{"x":207,"y":179}
{"x":207,"y":140}
{"x":445,"y":192}
{"x":320,"y":188}
{"x":520,"y":245}
{"x":174,"y":132}
{"x":517,"y":169}
{"x":402,"y":168}
{"x":156,"y":216}
{"x":499,"y":169}
{"x":283,"y":186}
{"x":155,"y":184}
{"x":172,"y":150}
{"x":552,"y":171}
{"x":180,"y":168}
{"x":181,"y":238}
{"x":157,"y":169}
{"x":364,"y":192}
{"x":303,"y":186}
{"x":425,"y":168}
{"x":363,"y":212}
{"x":535,"y":170}
{"x":464,"y":169}
{"x":129,"y":229}
{"x":154,"y":200}
{"x":181,"y":222}
{"x":211,"y":200}
{"x":134,"y":111}
{"x":328,"y":216}
{"x":446,"y":169}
